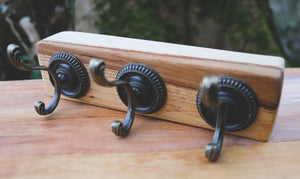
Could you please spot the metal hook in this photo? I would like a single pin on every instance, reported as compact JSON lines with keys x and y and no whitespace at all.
{"x":210,"y":98}
{"x":213,"y":150}
{"x":67,"y":74}
{"x":220,"y":99}
{"x":14,"y":53}
{"x":96,"y":68}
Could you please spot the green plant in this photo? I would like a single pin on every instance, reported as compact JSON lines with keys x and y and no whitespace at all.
{"x":225,"y":24}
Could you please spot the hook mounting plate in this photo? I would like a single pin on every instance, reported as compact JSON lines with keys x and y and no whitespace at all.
{"x":242,"y":101}
{"x":149,"y":87}
{"x":73,"y":76}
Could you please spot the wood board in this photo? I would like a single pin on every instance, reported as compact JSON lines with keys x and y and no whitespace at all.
{"x":181,"y":67}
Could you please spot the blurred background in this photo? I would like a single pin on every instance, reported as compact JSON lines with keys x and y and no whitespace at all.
{"x":270,"y":27}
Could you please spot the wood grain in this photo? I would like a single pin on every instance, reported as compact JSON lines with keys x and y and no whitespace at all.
{"x":256,"y":161}
{"x":76,"y":141}
{"x":181,"y":72}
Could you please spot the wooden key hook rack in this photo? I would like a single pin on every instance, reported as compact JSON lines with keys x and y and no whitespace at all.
{"x":239,"y":92}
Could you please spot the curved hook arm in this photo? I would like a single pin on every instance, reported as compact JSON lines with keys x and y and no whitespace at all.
{"x":96,"y":68}
{"x":14,"y":54}
{"x":210,"y":98}
{"x":213,"y":150}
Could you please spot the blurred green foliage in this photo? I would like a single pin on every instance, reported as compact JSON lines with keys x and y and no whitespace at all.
{"x":286,"y":15}
{"x":237,"y":25}
{"x":270,"y":27}
{"x":139,"y":19}
{"x":46,"y":17}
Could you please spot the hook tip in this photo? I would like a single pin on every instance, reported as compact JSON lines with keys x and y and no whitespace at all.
{"x":118,"y":130}
{"x":14,"y":52}
{"x":210,"y":88}
{"x":40,"y":107}
{"x":212,"y":152}
{"x":11,"y":48}
{"x":97,"y":67}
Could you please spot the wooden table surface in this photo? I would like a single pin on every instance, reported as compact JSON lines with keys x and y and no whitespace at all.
{"x":76,"y":141}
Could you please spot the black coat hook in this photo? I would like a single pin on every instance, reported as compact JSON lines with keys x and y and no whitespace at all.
{"x":97,"y":71}
{"x":227,"y":104}
{"x":140,"y":88}
{"x":67,"y":75}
